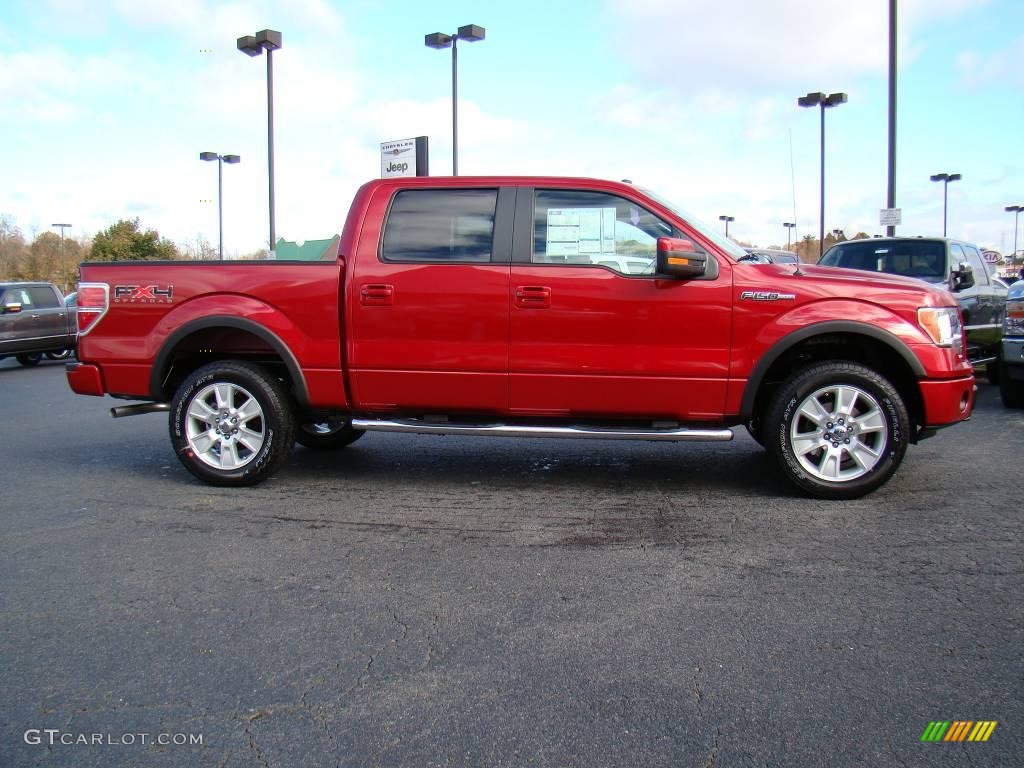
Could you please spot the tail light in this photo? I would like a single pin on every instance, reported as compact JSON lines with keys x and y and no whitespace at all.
{"x":93,"y":302}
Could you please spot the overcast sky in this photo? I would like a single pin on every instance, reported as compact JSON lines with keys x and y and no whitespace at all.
{"x":107,"y":105}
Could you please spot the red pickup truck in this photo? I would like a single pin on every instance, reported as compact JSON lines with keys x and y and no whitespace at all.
{"x":535,"y":307}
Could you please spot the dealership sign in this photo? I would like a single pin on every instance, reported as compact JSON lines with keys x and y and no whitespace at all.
{"x":404,"y":157}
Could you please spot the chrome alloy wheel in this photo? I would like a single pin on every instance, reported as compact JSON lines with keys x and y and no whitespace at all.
{"x":838,"y":433}
{"x":225,"y":427}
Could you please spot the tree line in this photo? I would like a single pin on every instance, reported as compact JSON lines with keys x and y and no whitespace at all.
{"x":127,"y":239}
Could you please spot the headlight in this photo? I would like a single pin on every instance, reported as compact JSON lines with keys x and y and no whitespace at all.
{"x":942,"y":324}
{"x":1013,"y":325}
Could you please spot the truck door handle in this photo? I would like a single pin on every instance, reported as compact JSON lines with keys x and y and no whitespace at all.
{"x":376,"y":295}
{"x":533,"y":296}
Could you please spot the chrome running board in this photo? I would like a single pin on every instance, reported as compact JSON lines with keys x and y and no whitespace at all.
{"x":524,"y":430}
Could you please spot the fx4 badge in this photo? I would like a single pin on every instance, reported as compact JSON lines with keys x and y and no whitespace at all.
{"x":143,"y":294}
{"x":766,"y":296}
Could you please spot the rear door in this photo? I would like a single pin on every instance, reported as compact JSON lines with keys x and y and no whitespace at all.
{"x":987,"y":324}
{"x":594,"y":331}
{"x":50,"y":315}
{"x":427,"y":301}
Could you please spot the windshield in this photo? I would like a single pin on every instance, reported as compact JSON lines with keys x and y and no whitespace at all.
{"x":923,"y":259}
{"x":736,"y":251}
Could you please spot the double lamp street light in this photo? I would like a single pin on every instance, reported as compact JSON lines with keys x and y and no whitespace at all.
{"x":945,"y":178}
{"x":471,"y":33}
{"x":1015,"y":210}
{"x":268,"y":40}
{"x":221,"y":159}
{"x":818,"y":99}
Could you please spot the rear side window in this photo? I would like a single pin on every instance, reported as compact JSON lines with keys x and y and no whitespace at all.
{"x":440,"y":225}
{"x":44,"y":298}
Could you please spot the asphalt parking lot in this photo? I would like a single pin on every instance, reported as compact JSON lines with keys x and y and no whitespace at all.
{"x":426,"y":601}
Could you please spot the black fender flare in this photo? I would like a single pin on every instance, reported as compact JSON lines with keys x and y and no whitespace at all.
{"x":789,"y":341}
{"x":158,"y":372}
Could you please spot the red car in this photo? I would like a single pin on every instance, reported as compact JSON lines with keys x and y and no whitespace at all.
{"x":541,"y":307}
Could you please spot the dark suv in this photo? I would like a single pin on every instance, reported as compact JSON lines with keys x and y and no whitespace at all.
{"x":953,"y":263}
{"x":34,"y":321}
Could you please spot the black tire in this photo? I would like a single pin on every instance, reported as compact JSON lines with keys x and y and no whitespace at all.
{"x":753,"y":426}
{"x":62,"y":355}
{"x":873,"y":429}
{"x":29,"y":359}
{"x":1010,"y":391}
{"x":993,"y":371}
{"x":327,"y":435}
{"x":214,"y":395}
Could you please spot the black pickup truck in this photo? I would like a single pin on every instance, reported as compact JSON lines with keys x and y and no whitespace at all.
{"x":34,"y":320}
{"x":953,"y":264}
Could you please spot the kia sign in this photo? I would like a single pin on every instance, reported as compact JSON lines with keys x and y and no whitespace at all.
{"x":992,"y":257}
{"x":404,"y":157}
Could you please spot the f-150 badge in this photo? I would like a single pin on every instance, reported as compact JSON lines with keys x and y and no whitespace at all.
{"x":143,"y":294}
{"x":766,"y":296}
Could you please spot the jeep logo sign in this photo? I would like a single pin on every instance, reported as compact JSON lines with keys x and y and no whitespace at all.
{"x":403,"y":157}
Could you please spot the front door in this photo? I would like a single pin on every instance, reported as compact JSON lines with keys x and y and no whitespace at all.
{"x":595,"y":332}
{"x":427,"y":303}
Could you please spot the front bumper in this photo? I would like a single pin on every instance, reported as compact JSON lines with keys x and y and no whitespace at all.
{"x":947,"y":401}
{"x":1013,"y":357}
{"x":85,"y":379}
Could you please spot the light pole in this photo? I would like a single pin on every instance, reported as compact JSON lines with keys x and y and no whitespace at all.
{"x":63,"y":264}
{"x":221,"y":159}
{"x":470,"y":33}
{"x":1016,"y":210}
{"x":253,"y":45}
{"x":726,"y":219}
{"x":945,"y":178}
{"x":789,"y":232}
{"x":819,"y":99}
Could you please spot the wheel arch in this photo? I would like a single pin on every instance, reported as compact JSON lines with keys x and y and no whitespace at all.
{"x":188,"y":336}
{"x":841,"y":339}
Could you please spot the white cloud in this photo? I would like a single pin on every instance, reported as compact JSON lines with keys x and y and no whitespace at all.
{"x":992,"y":68}
{"x":744,"y":46}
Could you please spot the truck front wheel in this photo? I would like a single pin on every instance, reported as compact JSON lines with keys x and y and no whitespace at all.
{"x":231,"y":423}
{"x":838,"y":429}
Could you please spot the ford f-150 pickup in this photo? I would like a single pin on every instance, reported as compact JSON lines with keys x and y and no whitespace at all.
{"x":536,"y":307}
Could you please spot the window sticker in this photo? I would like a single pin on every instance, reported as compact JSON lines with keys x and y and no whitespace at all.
{"x":581,"y":231}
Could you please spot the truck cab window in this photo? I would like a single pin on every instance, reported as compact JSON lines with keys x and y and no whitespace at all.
{"x":440,"y":226}
{"x":596,"y":229}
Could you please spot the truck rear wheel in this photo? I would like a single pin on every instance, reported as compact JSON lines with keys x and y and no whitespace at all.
{"x":231,"y":423}
{"x":30,"y":358}
{"x":838,"y":429}
{"x":327,"y":435}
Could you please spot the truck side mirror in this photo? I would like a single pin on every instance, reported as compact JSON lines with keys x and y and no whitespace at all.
{"x":961,"y":277}
{"x":678,"y":258}
{"x":12,"y":308}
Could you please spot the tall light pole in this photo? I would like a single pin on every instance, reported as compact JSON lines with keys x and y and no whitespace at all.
{"x":726,"y":219}
{"x":819,"y":99}
{"x":253,"y":45}
{"x":945,"y":178}
{"x":221,"y":159}
{"x":64,"y":265}
{"x":789,"y":232}
{"x":1016,"y":210}
{"x":438,"y":40}
{"x":890,"y":198}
